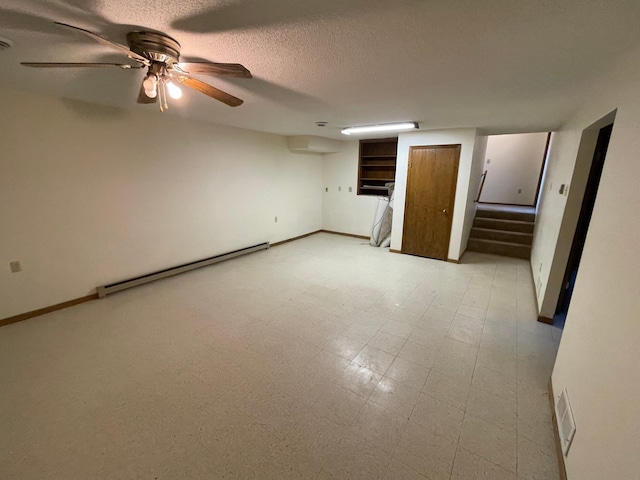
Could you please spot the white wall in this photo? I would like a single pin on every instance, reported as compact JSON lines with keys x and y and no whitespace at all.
{"x":515,"y":163}
{"x":464,"y":136}
{"x":558,"y":213}
{"x":91,"y":195}
{"x":597,"y":360}
{"x":551,"y":209}
{"x":344,"y":211}
{"x":475,"y":177}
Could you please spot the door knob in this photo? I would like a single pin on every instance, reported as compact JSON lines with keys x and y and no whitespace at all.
{"x":444,"y":211}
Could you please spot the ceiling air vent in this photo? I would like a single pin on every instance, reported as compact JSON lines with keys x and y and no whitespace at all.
{"x":566,"y":423}
{"x":5,"y":43}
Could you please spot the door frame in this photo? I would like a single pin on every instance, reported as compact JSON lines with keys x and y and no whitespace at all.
{"x":577,"y":184}
{"x":584,"y":217}
{"x":453,"y":196}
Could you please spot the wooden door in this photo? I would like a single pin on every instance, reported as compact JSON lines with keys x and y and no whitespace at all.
{"x":431,"y":190}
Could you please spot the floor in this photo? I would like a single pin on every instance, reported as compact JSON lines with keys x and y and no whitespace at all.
{"x":322,"y":358}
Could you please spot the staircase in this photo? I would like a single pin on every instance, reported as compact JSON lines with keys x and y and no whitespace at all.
{"x":503,"y":230}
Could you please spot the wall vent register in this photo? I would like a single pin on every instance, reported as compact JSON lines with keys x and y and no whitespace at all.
{"x":566,"y":423}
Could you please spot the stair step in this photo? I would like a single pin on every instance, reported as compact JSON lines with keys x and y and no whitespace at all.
{"x":506,"y":249}
{"x":502,"y":235}
{"x":505,"y":214}
{"x":503,"y":224}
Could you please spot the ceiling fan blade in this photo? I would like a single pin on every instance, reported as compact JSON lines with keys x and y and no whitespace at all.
{"x":109,"y":43}
{"x":125,"y":66}
{"x":210,"y":91}
{"x":211,"y":68}
{"x":144,"y":99}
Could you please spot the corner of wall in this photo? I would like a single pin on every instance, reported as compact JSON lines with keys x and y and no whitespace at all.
{"x":477,"y":162}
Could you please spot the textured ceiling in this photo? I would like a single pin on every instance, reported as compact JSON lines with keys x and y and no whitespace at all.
{"x":501,"y":65}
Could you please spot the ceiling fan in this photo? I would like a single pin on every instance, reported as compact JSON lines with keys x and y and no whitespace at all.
{"x":160,"y":54}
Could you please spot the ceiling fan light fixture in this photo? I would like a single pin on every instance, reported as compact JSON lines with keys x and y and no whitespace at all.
{"x":150,"y":85}
{"x":160,"y":54}
{"x":174,"y":91}
{"x":388,"y":127}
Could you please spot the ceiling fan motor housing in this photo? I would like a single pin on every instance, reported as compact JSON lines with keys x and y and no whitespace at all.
{"x":157,"y":47}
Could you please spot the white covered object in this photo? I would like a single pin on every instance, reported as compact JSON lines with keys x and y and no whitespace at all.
{"x":381,"y":231}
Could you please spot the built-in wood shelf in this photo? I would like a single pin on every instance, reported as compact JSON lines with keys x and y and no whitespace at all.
{"x":376,"y":165}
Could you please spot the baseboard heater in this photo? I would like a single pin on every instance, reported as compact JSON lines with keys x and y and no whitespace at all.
{"x":105,"y":290}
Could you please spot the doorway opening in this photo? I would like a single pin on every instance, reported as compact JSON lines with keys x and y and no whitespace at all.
{"x":513,"y":169}
{"x":586,"y":210}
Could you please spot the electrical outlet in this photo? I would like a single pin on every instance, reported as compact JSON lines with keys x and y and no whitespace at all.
{"x":350,"y":189}
{"x":15,"y":267}
{"x":275,"y":219}
{"x":339,"y":189}
{"x":326,"y":189}
{"x":488,"y":161}
{"x":519,"y":191}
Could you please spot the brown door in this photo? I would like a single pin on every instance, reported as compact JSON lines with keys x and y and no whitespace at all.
{"x":431,"y":189}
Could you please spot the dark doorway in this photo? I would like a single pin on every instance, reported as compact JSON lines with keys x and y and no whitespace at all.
{"x":580,"y":235}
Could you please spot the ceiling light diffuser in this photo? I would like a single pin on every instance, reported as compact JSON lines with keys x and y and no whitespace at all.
{"x":389,"y":127}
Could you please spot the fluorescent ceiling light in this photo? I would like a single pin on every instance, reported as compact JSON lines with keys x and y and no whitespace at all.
{"x":389,"y":127}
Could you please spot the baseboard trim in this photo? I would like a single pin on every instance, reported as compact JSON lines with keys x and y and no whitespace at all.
{"x":45,"y":310}
{"x":363,"y":237}
{"x":547,"y":320}
{"x":556,"y":434}
{"x":294,"y":238}
{"x":393,"y":250}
